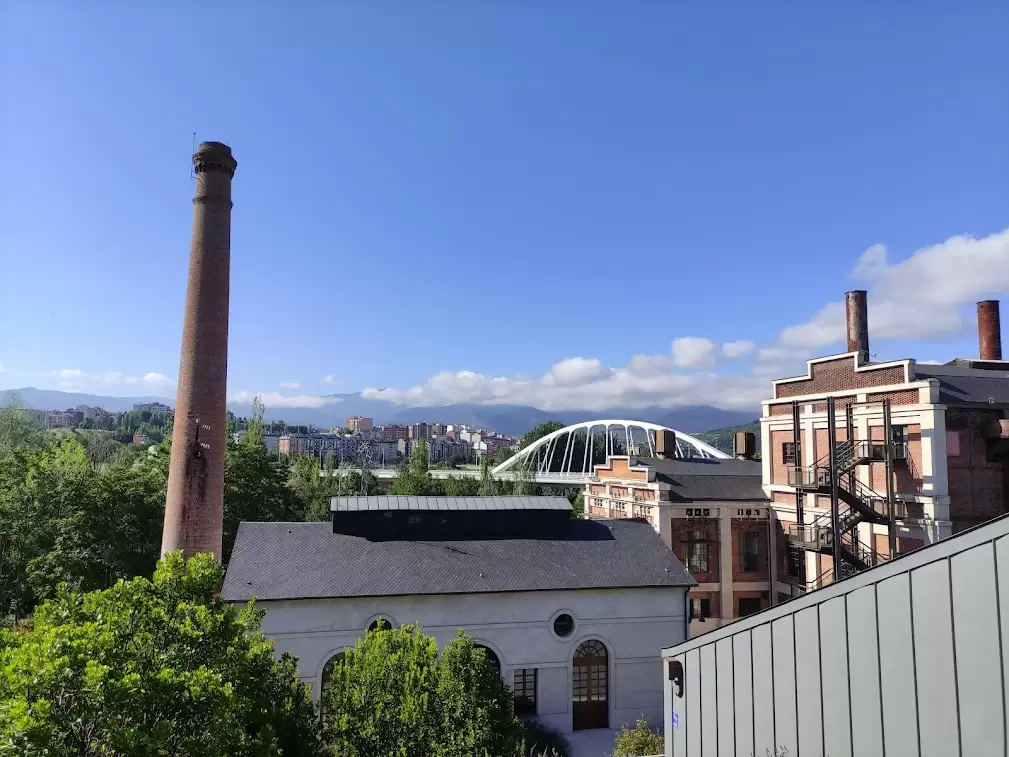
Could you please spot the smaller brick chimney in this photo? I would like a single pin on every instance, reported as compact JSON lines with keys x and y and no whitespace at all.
{"x":989,"y":330}
{"x":856,"y":313}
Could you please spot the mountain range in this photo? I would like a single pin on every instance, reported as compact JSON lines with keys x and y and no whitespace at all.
{"x":508,"y":419}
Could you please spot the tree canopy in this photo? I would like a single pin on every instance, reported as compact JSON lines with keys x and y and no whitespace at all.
{"x":152,"y":667}
{"x":391,"y":694}
{"x":539,"y":432}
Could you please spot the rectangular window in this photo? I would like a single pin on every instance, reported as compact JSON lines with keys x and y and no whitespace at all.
{"x":952,"y":444}
{"x":697,"y":552}
{"x":788,"y":453}
{"x":700,"y":608}
{"x":749,"y":551}
{"x":749,"y":606}
{"x":525,"y":691}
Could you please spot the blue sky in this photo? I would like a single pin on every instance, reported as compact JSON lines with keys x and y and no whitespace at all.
{"x":491,"y":201}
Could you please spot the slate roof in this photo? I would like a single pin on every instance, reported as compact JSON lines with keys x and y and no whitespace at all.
{"x":708,"y":479}
{"x":403,"y":502}
{"x":960,"y":390}
{"x":307,"y":560}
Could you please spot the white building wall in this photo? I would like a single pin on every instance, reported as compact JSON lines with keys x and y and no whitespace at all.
{"x":634,"y":624}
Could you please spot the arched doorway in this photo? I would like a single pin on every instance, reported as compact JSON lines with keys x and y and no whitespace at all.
{"x":492,"y":658}
{"x":590,"y":686}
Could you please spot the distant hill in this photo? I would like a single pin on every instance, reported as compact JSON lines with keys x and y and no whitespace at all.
{"x":721,"y":438}
{"x":508,"y":419}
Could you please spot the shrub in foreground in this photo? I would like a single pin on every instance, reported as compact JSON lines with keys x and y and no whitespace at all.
{"x":639,"y":740}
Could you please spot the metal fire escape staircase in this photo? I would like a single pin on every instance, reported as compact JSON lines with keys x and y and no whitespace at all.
{"x":857,"y":504}
{"x":852,"y":503}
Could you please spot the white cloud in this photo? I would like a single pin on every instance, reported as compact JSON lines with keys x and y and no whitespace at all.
{"x":274,"y":399}
{"x":76,"y":380}
{"x":582,"y":384}
{"x":1,"y":368}
{"x":331,"y":379}
{"x":738,"y":349}
{"x":290,"y":385}
{"x":693,"y":351}
{"x":930,"y":294}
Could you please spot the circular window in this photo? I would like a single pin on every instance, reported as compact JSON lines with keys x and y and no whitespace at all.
{"x":380,"y":624}
{"x":564,"y":624}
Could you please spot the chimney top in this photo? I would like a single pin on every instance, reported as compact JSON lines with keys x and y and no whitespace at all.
{"x":989,"y":330}
{"x":857,"y":320}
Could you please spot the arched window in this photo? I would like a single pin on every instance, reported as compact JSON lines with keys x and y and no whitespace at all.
{"x":590,"y":686}
{"x":326,"y":678}
{"x":380,"y":624}
{"x":491,"y":657}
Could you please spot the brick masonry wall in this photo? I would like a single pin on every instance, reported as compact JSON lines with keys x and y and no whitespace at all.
{"x":977,"y":487}
{"x":905,"y":397}
{"x":737,"y":595}
{"x":714,"y":596}
{"x":680,"y":529}
{"x":907,"y":475}
{"x":739,"y":527}
{"x":785,"y":409}
{"x":779,"y":471}
{"x":838,"y":375}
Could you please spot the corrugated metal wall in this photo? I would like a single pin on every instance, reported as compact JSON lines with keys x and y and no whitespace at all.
{"x":902,"y":660}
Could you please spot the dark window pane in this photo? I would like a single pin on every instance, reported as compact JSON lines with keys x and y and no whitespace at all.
{"x":564,"y":624}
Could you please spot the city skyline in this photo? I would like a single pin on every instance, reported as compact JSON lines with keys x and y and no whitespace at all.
{"x":469,"y":208}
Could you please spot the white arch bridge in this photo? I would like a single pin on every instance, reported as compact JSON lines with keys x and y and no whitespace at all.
{"x":571,"y":453}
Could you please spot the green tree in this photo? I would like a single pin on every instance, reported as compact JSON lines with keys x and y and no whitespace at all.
{"x":152,"y":667}
{"x":255,"y":436}
{"x":19,"y":429}
{"x":476,"y":712}
{"x":413,"y":477}
{"x":504,"y":454}
{"x":488,"y":484}
{"x":392,"y":695}
{"x":256,"y":489}
{"x":539,"y":432}
{"x":577,"y":504}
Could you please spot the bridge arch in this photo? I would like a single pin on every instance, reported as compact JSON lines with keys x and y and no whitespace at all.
{"x":577,"y":449}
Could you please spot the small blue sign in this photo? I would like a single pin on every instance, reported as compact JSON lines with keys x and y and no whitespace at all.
{"x":676,"y":719}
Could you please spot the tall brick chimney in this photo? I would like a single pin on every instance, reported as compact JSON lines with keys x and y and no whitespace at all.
{"x":194,"y":508}
{"x":856,"y":313}
{"x":989,"y":330}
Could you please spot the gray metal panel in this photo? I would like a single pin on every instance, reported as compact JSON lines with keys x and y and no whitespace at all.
{"x":692,"y":693}
{"x":931,"y":608}
{"x":742,"y":693}
{"x":709,"y":703}
{"x":763,"y":690}
{"x":726,"y":724}
{"x":834,"y":678}
{"x":863,"y":670}
{"x":978,"y":652}
{"x":896,"y":666}
{"x":679,"y":707}
{"x":807,"y":681}
{"x":785,"y":725}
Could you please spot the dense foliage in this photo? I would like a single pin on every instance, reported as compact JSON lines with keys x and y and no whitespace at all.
{"x":393,"y":695}
{"x":638,"y":740}
{"x":151,"y":667}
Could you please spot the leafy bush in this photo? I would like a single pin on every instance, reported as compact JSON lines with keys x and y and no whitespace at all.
{"x":543,"y":740}
{"x":152,"y":668}
{"x":639,"y":740}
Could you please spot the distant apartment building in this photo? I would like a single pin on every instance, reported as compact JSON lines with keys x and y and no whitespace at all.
{"x":64,"y":419}
{"x":271,"y":441}
{"x":713,"y":514}
{"x":419,"y":431}
{"x":358,"y":424}
{"x":153,"y":407}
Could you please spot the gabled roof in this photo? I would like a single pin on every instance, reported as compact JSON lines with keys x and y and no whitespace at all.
{"x":699,"y":479}
{"x":405,"y":502}
{"x":307,"y":560}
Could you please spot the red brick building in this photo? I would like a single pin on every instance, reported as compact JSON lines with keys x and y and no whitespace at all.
{"x":712,"y":513}
{"x":949,"y":434}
